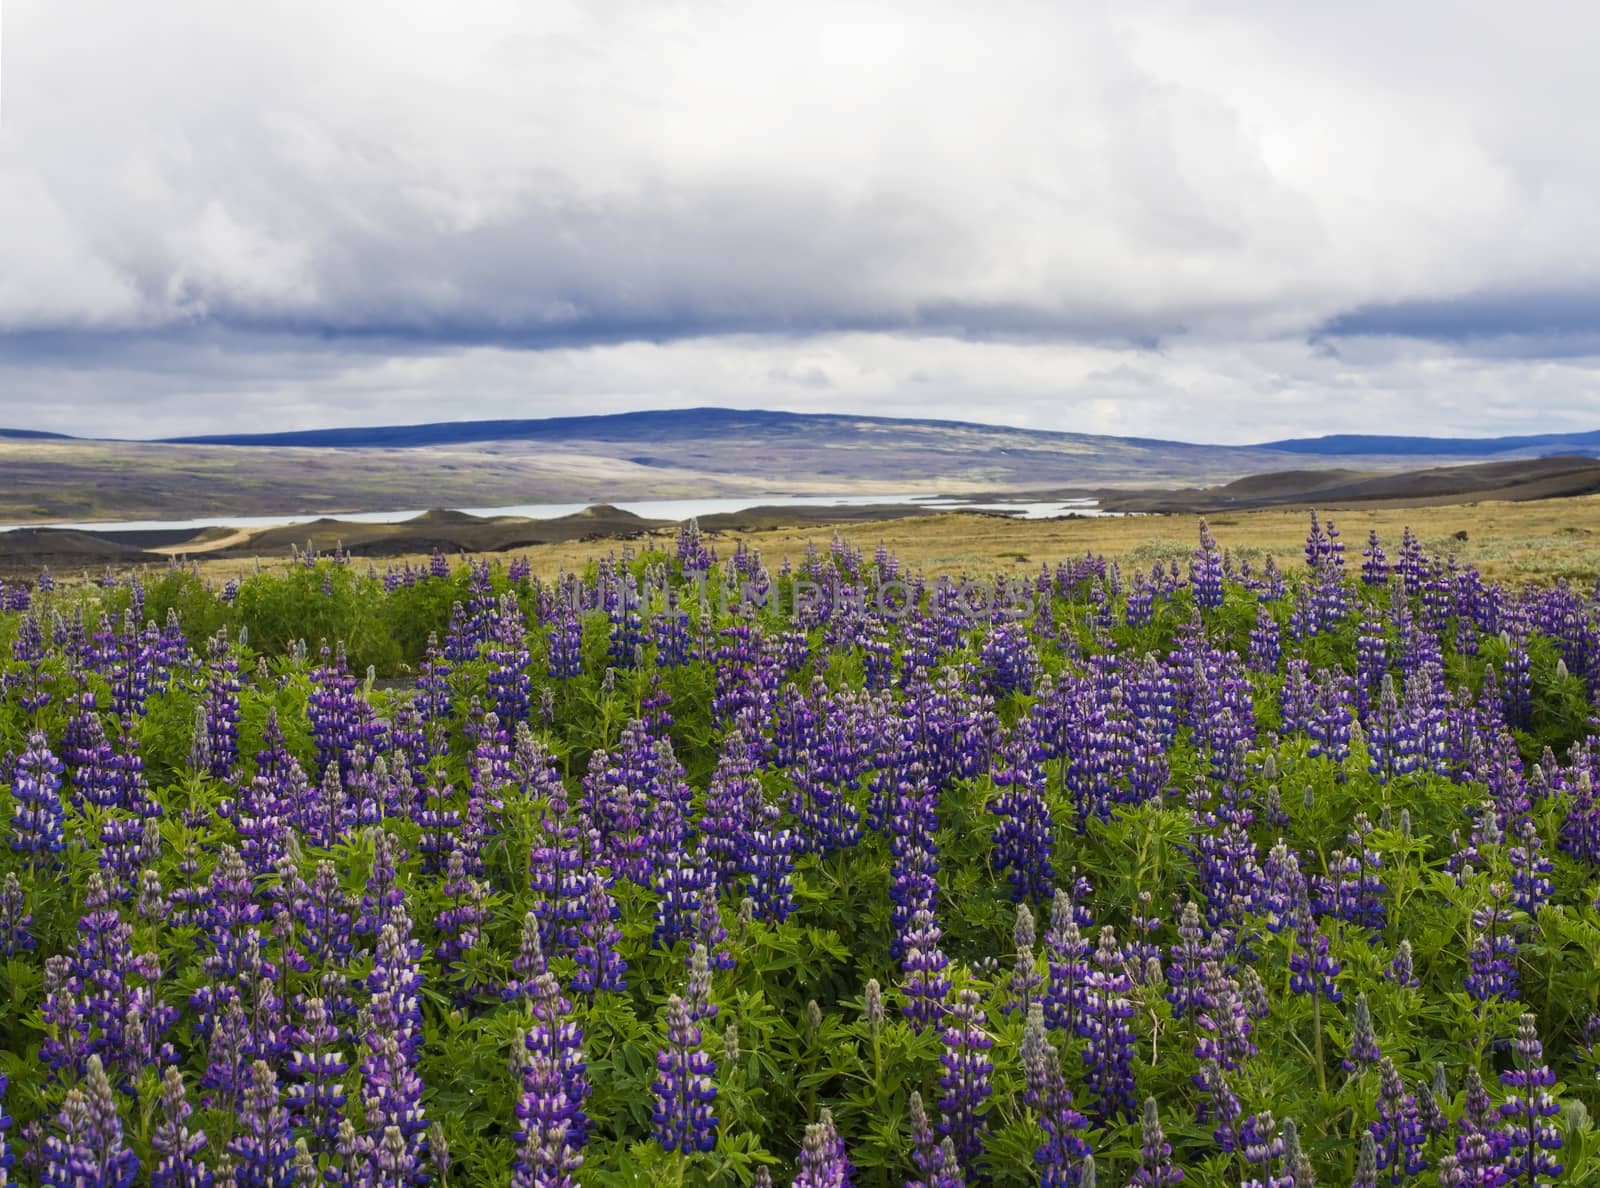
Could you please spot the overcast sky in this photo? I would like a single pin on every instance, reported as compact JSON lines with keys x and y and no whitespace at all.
{"x":1215,"y":220}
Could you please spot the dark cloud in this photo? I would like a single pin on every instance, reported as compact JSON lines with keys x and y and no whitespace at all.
{"x":1531,"y":323}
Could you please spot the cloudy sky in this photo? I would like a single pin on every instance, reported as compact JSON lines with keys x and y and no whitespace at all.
{"x":1219,"y":220}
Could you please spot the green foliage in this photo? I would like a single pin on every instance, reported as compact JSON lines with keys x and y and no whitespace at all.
{"x":779,"y":1062}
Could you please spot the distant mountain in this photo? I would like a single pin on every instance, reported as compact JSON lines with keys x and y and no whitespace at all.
{"x":33,"y":434}
{"x":1346,"y":444}
{"x":694,"y":424}
{"x":651,"y":426}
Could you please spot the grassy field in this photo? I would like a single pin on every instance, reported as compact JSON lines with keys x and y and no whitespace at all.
{"x":1556,"y":538}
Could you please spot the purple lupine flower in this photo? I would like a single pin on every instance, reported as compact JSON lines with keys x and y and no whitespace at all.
{"x":1155,"y":1169}
{"x":323,"y":911}
{"x":1108,"y":1054}
{"x":108,"y":976}
{"x":1024,"y":837}
{"x":1228,"y":873}
{"x":1492,"y":955}
{"x":936,"y":1163}
{"x":384,"y":893}
{"x":220,"y":707}
{"x":554,"y":1088}
{"x":264,"y":1148}
{"x":87,"y":1150}
{"x":36,"y":811}
{"x":1353,"y":889}
{"x":965,"y":1083}
{"x":1516,"y":682}
{"x":1394,"y":739}
{"x":529,"y":962}
{"x":127,"y":843}
{"x":459,"y":922}
{"x":1398,"y":1133}
{"x":1428,"y":1098}
{"x":392,"y":1163}
{"x":1294,"y":1167}
{"x":545,"y":1160}
{"x":601,"y":967}
{"x":823,"y":1161}
{"x":697,"y":995}
{"x":142,"y":1035}
{"x":1225,"y":1025}
{"x":616,"y":799}
{"x":1259,"y":1144}
{"x":66,"y":1024}
{"x":1478,"y":1117}
{"x":1186,"y":961}
{"x":396,"y":978}
{"x":1266,"y":646}
{"x":1399,"y":970}
{"x":179,"y":1151}
{"x":1479,"y":1162}
{"x":683,"y":1118}
{"x":1580,"y":829}
{"x":565,"y":647}
{"x":924,"y":963}
{"x":440,"y":822}
{"x":1282,"y":889}
{"x":29,"y":648}
{"x":316,"y":1071}
{"x":231,"y":916}
{"x":1374,"y":564}
{"x":1312,"y":971}
{"x":909,"y":822}
{"x":392,"y":1091}
{"x":1205,"y":571}
{"x":392,"y":1098}
{"x":228,"y":1057}
{"x":1366,"y":1163}
{"x":1364,"y":1050}
{"x":769,"y":864}
{"x":1139,"y":610}
{"x":1065,"y":950}
{"x":679,"y":881}
{"x":1025,"y":981}
{"x":828,"y":820}
{"x":1372,"y":660}
{"x":16,"y":921}
{"x":1532,"y":1137}
{"x":732,"y":810}
{"x":261,"y":819}
{"x":709,"y":931}
{"x":334,"y":709}
{"x":1008,"y":660}
{"x":1059,"y":1158}
{"x":1530,"y":870}
{"x":1221,"y":1106}
{"x":509,"y":685}
{"x":1332,"y":716}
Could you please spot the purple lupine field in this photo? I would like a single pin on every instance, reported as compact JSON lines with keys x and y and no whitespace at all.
{"x":687,"y":870}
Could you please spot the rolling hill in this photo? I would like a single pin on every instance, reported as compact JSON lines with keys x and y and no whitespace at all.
{"x":682,"y":453}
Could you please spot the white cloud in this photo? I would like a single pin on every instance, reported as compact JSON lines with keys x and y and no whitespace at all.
{"x":1040,"y":179}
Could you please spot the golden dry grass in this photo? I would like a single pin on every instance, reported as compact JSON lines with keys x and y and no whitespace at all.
{"x":1514,"y":542}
